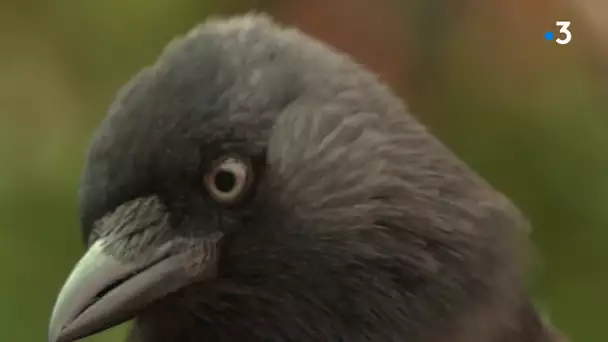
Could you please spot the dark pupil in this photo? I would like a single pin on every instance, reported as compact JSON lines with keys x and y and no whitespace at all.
{"x":224,"y":181}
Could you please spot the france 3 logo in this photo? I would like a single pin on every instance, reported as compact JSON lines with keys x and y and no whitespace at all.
{"x":564,"y":35}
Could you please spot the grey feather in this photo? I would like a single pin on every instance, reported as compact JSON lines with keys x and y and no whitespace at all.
{"x":364,"y":227}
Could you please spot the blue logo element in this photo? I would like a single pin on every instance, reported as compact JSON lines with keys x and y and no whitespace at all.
{"x":549,"y":35}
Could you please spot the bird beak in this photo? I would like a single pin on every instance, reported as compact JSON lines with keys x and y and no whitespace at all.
{"x":102,"y":292}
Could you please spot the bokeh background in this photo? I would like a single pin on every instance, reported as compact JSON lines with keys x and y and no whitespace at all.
{"x":530,"y":115}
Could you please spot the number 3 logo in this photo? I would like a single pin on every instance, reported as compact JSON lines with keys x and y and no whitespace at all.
{"x":563,"y":29}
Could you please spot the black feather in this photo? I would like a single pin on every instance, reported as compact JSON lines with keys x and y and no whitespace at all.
{"x":362,"y":226}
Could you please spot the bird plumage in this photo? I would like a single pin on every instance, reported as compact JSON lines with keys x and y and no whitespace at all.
{"x":360,"y":226}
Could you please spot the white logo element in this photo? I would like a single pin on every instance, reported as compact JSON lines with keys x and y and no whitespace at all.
{"x":563,"y":29}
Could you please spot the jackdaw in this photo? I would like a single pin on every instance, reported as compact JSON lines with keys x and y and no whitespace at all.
{"x":256,"y":185}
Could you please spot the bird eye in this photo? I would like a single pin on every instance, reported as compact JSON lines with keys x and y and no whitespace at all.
{"x":229,"y":179}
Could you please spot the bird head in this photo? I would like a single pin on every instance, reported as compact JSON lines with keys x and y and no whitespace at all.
{"x":255,"y":184}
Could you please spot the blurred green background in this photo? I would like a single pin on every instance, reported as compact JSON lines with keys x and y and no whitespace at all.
{"x":529,"y":115}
